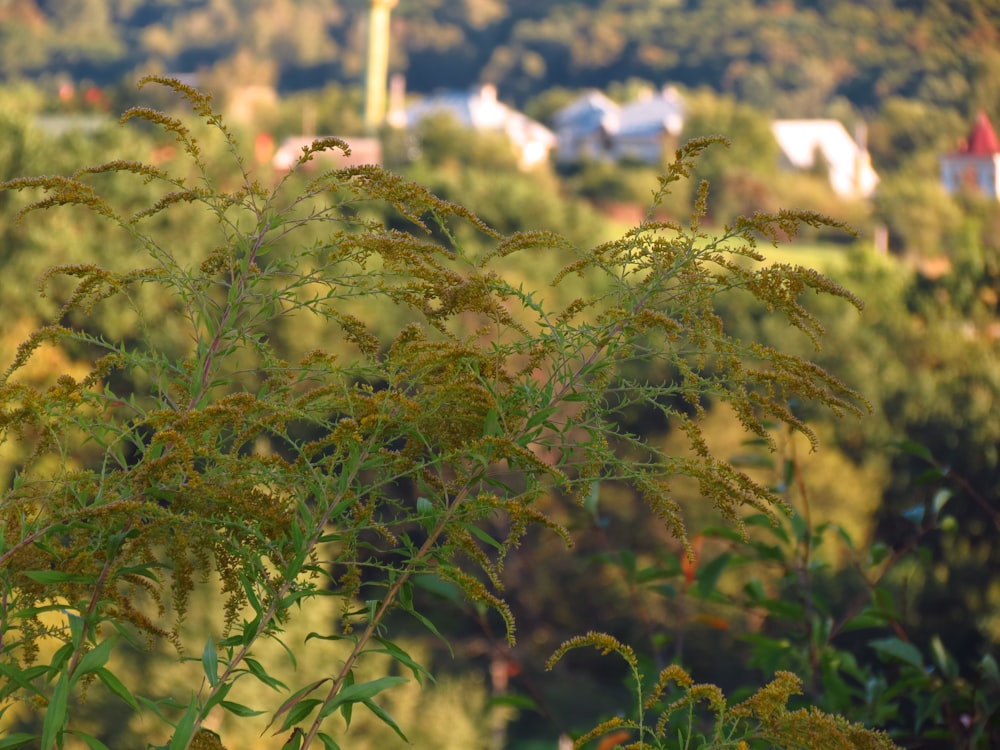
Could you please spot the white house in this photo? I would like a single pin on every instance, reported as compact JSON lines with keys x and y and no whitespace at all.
{"x":649,"y":126}
{"x":848,"y":163}
{"x":480,"y":109}
{"x":584,"y":128}
{"x":594,"y":128}
{"x":976,"y":164}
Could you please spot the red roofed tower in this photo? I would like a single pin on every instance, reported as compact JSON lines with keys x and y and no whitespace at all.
{"x":983,"y":139}
{"x":976,"y":165}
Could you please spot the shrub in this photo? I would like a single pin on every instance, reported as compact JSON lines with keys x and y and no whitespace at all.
{"x":289,"y":453}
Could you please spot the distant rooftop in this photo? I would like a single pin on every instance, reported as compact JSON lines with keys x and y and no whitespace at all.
{"x":982,"y":139}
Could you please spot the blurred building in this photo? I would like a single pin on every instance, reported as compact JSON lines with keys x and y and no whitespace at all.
{"x":479,"y":109}
{"x":975,"y":166}
{"x":845,"y":160}
{"x":594,"y":128}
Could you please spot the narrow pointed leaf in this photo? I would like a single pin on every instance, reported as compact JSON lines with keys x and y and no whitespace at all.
{"x":55,"y":713}
{"x":185,"y":727}
{"x":360,"y":692}
{"x":116,"y":686}
{"x":210,"y":662}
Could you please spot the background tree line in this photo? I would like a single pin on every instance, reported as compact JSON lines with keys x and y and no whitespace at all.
{"x":789,"y":57}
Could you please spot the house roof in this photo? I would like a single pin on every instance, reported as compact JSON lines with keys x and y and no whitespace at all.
{"x":649,"y":115}
{"x":588,"y":113}
{"x":652,"y":114}
{"x":982,"y":139}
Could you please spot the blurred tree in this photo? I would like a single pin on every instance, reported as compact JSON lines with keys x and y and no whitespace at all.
{"x":739,"y":174}
{"x":908,"y":134}
{"x":918,"y":212}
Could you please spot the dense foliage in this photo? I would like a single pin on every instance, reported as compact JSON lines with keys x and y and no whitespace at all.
{"x":787,"y":56}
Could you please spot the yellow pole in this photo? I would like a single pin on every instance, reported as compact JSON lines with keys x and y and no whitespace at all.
{"x":378,"y":63}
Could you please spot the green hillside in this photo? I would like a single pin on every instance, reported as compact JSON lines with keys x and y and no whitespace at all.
{"x":790,"y":56}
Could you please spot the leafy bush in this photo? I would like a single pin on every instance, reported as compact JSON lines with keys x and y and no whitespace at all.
{"x":828,"y":615}
{"x":288,"y":472}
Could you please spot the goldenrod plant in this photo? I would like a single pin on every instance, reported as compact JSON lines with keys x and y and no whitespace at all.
{"x":670,"y":713}
{"x":287,"y":448}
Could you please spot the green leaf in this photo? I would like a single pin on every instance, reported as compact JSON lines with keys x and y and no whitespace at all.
{"x":403,"y":658}
{"x":55,"y":714}
{"x":435,"y":585}
{"x":56,"y":576}
{"x":788,"y":610}
{"x":626,"y":559}
{"x":900,"y":650}
{"x":483,"y":536}
{"x":19,"y":739}
{"x":238,"y":709}
{"x":798,"y":526}
{"x":332,"y":637}
{"x":295,"y":741}
{"x":845,"y":537}
{"x":251,"y":594}
{"x":155,"y":706}
{"x":261,"y":674}
{"x":210,"y":662}
{"x":764,"y":521}
{"x":945,"y":661}
{"x":941,"y":498}
{"x":294,"y":700}
{"x":789,"y":476}
{"x":347,"y":709}
{"x":386,"y":719}
{"x":115,"y":685}
{"x":723,"y":532}
{"x":915,"y":449}
{"x":708,"y":574}
{"x":988,"y":668}
{"x":327,"y":740}
{"x":491,"y":427}
{"x":185,"y":727}
{"x":513,"y":700}
{"x":60,"y":658}
{"x":360,"y":693}
{"x":217,"y":697}
{"x":20,"y":678}
{"x":878,"y":552}
{"x":866,"y":618}
{"x":755,"y":590}
{"x":539,"y":417}
{"x":76,"y":628}
{"x":298,"y":712}
{"x":94,"y":659}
